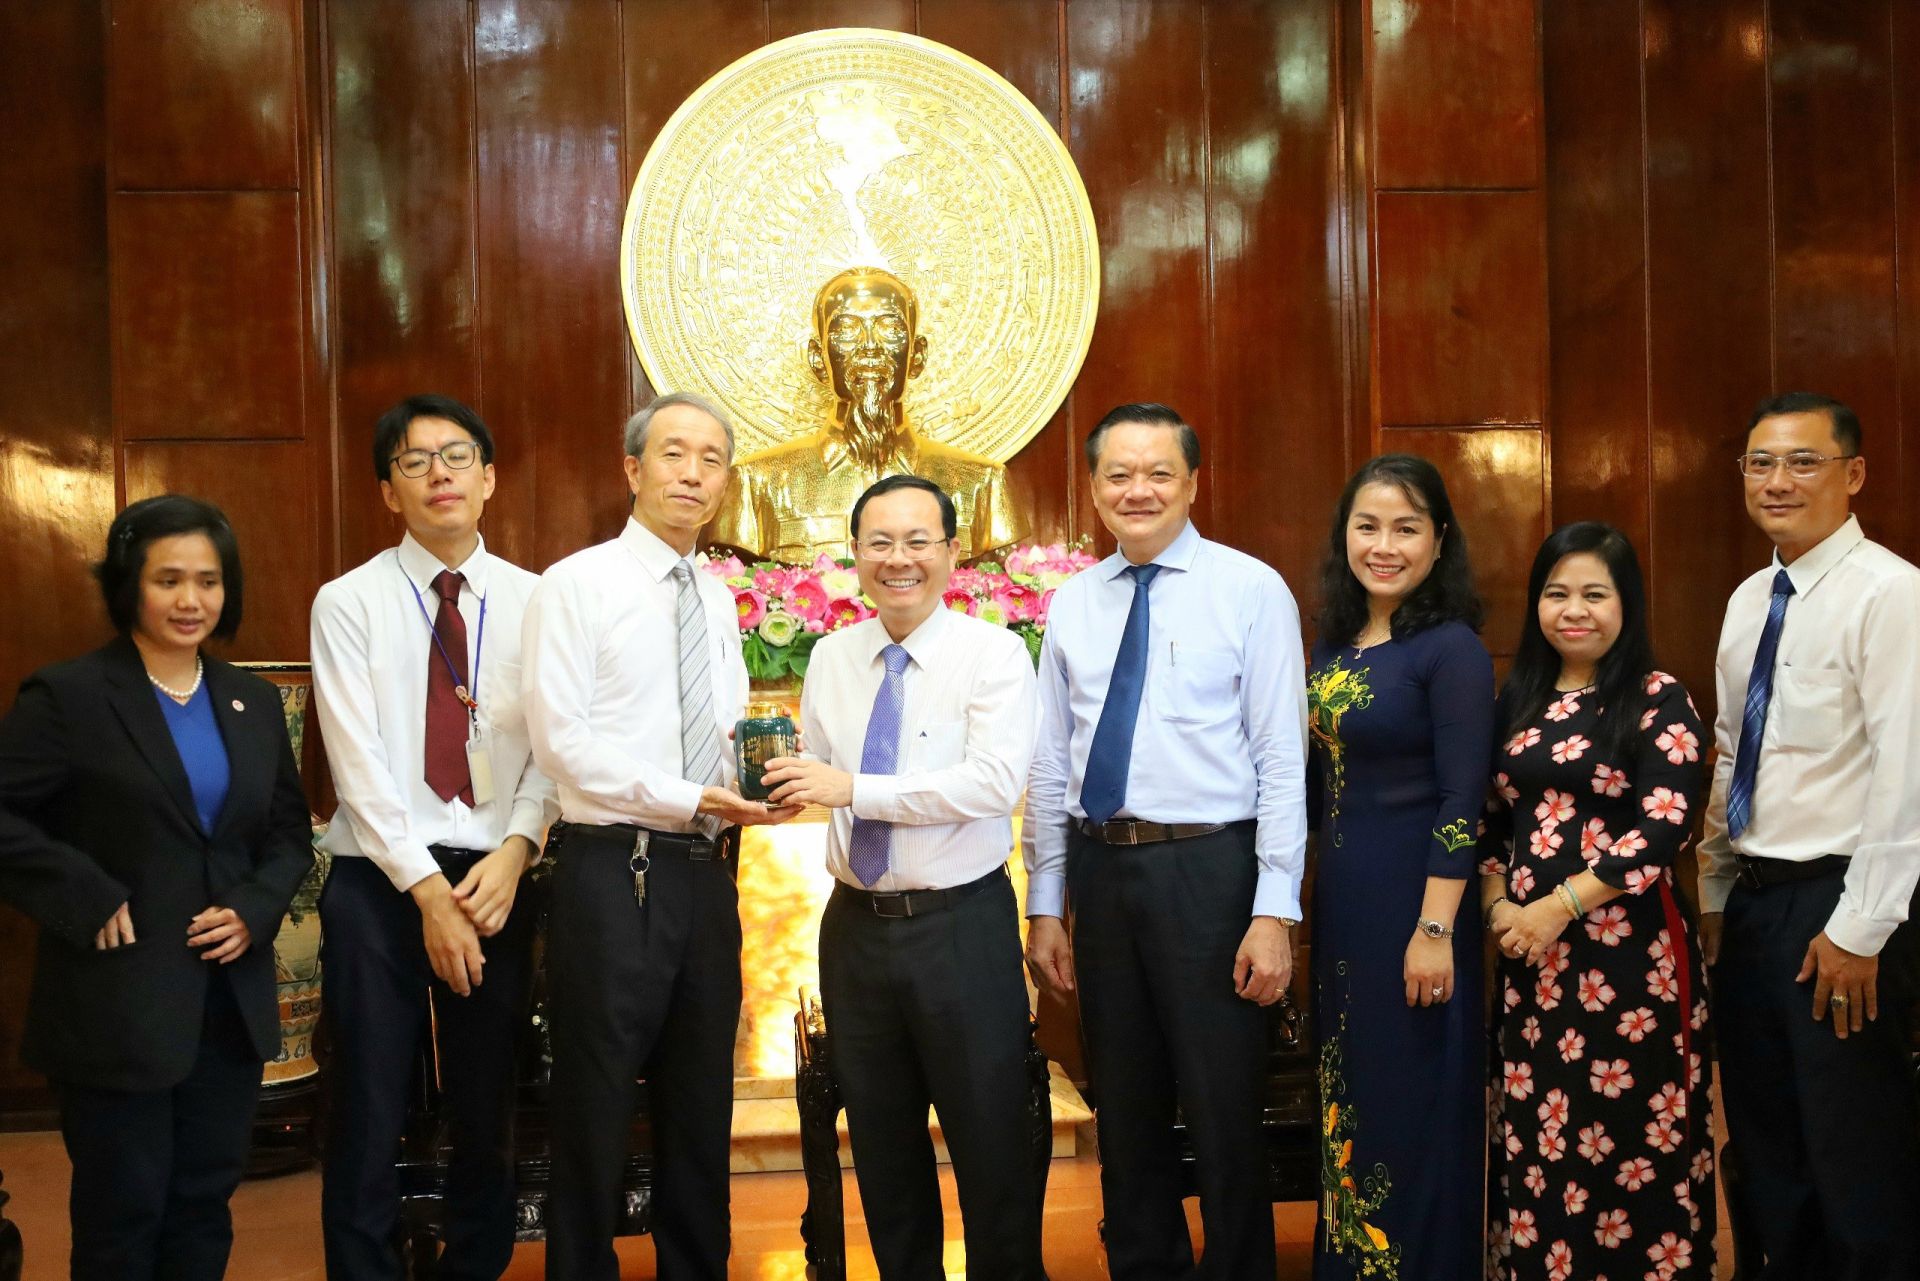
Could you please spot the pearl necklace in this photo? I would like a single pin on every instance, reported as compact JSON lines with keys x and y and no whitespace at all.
{"x":182,"y":696}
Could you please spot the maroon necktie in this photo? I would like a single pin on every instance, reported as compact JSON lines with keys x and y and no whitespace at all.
{"x":446,"y":712}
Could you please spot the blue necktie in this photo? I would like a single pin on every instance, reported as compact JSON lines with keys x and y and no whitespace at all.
{"x":1753,"y":717}
{"x":1103,"y":788}
{"x":868,"y":850}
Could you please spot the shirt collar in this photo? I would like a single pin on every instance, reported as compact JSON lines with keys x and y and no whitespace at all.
{"x":654,"y":555}
{"x":1806,"y":572}
{"x":421,"y":566}
{"x":920,"y":642}
{"x":1178,"y":555}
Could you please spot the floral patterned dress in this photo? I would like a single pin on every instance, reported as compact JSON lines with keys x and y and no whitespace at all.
{"x":1401,"y":733}
{"x":1602,"y":1131}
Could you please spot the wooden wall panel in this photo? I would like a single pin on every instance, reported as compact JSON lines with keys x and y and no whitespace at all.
{"x":552,"y":343}
{"x":56,"y":433}
{"x":1709,"y":312}
{"x":1020,"y":39}
{"x":1277,"y":435}
{"x":208,"y":315}
{"x":403,"y":217}
{"x":1456,"y":93}
{"x":1834,"y":225}
{"x":1596,"y":265}
{"x":204,"y":94}
{"x":1903,"y":533}
{"x":1136,"y":73}
{"x":265,"y":488}
{"x":1461,"y":308}
{"x":792,"y":17}
{"x":1493,"y":476}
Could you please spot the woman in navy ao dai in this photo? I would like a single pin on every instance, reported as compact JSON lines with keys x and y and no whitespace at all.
{"x":1602,"y":1147}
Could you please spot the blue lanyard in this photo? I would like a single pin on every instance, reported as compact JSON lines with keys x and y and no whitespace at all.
{"x":469,"y":696}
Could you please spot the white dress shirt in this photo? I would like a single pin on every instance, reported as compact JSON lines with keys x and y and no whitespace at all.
{"x":372,"y":641}
{"x":966,"y":739}
{"x":602,"y":686}
{"x":1841,"y":750}
{"x":1223,"y":718}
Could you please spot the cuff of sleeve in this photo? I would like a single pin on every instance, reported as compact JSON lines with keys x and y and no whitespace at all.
{"x":1274,"y":894}
{"x":682,"y":797}
{"x":407,"y":865}
{"x":530,"y":821}
{"x":1860,"y":935}
{"x":874,"y":796}
{"x":1714,"y":892}
{"x":1046,"y":894}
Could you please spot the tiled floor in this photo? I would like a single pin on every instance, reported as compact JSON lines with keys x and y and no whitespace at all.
{"x":277,"y":1224}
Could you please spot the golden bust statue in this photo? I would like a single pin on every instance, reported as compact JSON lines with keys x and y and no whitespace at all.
{"x":791,"y":502}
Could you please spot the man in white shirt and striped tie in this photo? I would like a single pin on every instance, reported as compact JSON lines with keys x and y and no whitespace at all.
{"x":634,"y":676}
{"x":919,"y":726}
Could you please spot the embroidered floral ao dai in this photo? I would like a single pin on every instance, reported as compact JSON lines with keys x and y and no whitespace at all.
{"x":1602,"y":1133}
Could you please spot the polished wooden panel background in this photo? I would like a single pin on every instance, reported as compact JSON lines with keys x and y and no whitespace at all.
{"x":1560,"y":247}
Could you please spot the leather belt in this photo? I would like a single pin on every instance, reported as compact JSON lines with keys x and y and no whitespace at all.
{"x":1133,"y":831}
{"x":1758,"y":873}
{"x":901,"y":904}
{"x":695,"y":848}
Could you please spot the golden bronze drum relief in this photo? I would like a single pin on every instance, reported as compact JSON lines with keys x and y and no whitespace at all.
{"x":859,"y":148}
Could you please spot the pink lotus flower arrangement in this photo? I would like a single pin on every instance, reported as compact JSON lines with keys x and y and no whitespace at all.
{"x":784,"y":610}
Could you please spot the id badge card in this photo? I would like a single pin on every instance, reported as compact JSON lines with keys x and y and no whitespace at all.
{"x":479,"y":764}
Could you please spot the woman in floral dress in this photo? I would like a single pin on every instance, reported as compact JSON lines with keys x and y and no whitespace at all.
{"x":1401,"y":692}
{"x":1602,"y":1135}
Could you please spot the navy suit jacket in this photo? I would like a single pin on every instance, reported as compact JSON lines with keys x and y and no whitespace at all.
{"x":96,"y":811}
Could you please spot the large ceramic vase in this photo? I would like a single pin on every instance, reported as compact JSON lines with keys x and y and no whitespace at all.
{"x":283,"y":1128}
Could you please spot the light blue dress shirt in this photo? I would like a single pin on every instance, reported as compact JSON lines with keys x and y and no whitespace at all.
{"x":1223,"y":719}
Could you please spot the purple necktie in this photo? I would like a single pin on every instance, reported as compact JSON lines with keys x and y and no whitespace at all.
{"x":867,"y":852}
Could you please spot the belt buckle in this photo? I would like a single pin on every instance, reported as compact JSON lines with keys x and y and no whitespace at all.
{"x":899,"y":897}
{"x":703,"y":849}
{"x":1749,"y":874}
{"x":1128,"y":829}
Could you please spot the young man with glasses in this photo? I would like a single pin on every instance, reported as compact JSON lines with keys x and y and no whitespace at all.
{"x":416,"y":677}
{"x":1811,"y":856}
{"x":919,"y":726}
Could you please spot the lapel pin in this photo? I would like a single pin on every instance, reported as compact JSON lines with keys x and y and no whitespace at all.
{"x":239,"y":706}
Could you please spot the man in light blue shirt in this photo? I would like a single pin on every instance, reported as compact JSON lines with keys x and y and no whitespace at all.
{"x":1167,"y":801}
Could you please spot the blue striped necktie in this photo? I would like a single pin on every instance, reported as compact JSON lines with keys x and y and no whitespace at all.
{"x":870,"y":849}
{"x":1103,"y":786}
{"x":1753,"y":717}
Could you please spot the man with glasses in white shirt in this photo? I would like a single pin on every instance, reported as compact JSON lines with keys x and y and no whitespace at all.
{"x":634,"y":679}
{"x":918,"y":727}
{"x":1167,"y":807}
{"x":416,"y":680}
{"x":1811,"y":855}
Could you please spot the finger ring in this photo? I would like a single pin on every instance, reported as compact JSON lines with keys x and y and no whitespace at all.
{"x":1438,"y":990}
{"x":1838,"y":1000}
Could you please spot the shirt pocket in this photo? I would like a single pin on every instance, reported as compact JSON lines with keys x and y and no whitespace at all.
{"x":1808,"y":702}
{"x":937,"y":745}
{"x":1198,"y":686}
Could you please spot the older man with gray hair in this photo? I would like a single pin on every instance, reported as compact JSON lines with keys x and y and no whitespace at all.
{"x":633,"y":677}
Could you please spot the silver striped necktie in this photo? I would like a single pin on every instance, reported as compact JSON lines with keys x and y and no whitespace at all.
{"x":699,"y":738}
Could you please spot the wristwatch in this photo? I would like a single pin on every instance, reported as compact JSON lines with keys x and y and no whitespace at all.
{"x":1287,"y":921}
{"x":1435,"y":930}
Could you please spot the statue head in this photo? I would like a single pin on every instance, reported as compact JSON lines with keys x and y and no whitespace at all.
{"x":865,"y":344}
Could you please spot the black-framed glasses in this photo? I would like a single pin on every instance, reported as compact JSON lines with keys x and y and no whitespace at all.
{"x":458,"y":456}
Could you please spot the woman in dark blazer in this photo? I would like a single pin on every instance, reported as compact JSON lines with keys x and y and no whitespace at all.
{"x":152,"y":823}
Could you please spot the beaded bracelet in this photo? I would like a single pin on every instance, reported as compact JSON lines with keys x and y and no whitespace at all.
{"x":1569,"y":900}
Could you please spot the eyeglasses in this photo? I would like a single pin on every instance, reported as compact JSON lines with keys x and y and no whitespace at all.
{"x":1801,"y":466}
{"x":911,"y":549}
{"x":458,"y":456}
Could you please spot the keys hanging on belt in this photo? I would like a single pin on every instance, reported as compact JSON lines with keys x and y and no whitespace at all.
{"x":638,"y":863}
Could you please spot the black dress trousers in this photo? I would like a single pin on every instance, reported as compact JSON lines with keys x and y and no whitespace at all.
{"x":933,"y":1010}
{"x":639,"y":991}
{"x":1824,"y":1131}
{"x":1155,"y":931}
{"x":377,"y":980}
{"x":153,"y":1170}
